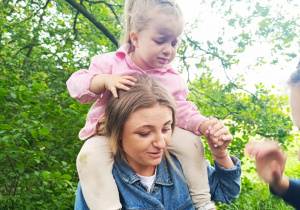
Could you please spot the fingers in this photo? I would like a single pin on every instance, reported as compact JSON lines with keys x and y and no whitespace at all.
{"x":275,"y":171}
{"x":114,"y":92}
{"x":113,"y":89}
{"x":250,"y":149}
{"x":222,"y":141}
{"x":119,"y":82}
{"x":212,"y":122}
{"x":260,"y":149}
{"x":216,"y":128}
{"x":218,"y":133}
{"x":128,"y":80}
{"x":222,"y":130}
{"x":227,"y":137}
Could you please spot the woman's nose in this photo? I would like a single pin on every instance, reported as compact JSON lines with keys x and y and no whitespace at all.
{"x":159,"y":141}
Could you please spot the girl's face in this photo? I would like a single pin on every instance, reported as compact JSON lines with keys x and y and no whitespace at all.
{"x":156,"y":45}
{"x":147,"y":132}
{"x":295,"y":107}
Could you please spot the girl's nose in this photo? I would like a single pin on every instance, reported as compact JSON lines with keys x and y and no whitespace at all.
{"x":167,"y":49}
{"x":159,"y":141}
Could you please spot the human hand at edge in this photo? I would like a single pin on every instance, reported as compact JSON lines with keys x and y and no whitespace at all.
{"x":270,"y":163}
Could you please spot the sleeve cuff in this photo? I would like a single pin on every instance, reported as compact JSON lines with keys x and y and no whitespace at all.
{"x":229,"y":174}
{"x":293,"y":187}
{"x":87,"y":89}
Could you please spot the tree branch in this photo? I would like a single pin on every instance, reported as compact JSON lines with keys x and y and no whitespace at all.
{"x":89,"y":16}
{"x":111,"y":7}
{"x":224,"y":62}
{"x":214,"y":102}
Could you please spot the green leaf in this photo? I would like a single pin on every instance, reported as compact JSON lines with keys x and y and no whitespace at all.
{"x":66,"y":177}
{"x":25,"y":115}
{"x":46,"y":175}
{"x":5,"y":127}
{"x":3,"y":92}
{"x":56,"y":174}
{"x":20,"y":168}
{"x":44,"y":131}
{"x":13,"y":95}
{"x":34,"y":134}
{"x":2,"y":118}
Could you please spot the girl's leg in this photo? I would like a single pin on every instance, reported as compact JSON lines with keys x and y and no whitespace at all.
{"x":94,"y":165}
{"x":189,"y":150}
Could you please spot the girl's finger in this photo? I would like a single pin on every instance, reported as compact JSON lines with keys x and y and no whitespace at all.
{"x":114,"y":92}
{"x":130,"y":78}
{"x":127,"y":82}
{"x":221,"y":131}
{"x":214,"y":139}
{"x":217,"y":126}
{"x":227,"y":137}
{"x":123,"y":87}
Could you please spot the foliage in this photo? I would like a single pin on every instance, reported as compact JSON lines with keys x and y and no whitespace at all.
{"x":43,"y":42}
{"x":255,"y":196}
{"x":247,"y":115}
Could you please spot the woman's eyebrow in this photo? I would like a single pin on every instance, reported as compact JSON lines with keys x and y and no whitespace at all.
{"x":151,"y":126}
{"x":169,"y":122}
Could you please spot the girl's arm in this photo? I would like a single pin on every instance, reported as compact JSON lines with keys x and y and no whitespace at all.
{"x":79,"y":83}
{"x":188,"y":116}
{"x":224,"y":179}
{"x":87,"y":86}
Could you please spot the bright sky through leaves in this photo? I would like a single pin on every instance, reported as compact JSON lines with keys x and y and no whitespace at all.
{"x":212,"y":25}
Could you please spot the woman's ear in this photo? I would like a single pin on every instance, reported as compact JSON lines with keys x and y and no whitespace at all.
{"x":134,"y":39}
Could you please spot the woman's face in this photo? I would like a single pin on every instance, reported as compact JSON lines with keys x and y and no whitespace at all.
{"x":147,"y":132}
{"x":295,"y":106}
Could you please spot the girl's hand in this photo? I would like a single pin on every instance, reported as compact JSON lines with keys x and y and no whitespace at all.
{"x":218,"y":138}
{"x":115,"y":82}
{"x":111,"y":82}
{"x":217,"y":133}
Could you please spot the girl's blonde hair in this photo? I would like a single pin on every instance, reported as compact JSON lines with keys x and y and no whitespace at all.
{"x":137,"y":14}
{"x":144,"y":94}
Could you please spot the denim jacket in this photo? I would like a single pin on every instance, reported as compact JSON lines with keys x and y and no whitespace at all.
{"x":169,"y":190}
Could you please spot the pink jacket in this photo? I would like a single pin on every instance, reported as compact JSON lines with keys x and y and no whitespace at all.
{"x":120,"y":63}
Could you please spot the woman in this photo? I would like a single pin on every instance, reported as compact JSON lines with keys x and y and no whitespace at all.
{"x":140,"y":124}
{"x":271,"y":159}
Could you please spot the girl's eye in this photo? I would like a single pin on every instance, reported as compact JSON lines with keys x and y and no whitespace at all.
{"x":159,"y":42}
{"x":174,"y":44}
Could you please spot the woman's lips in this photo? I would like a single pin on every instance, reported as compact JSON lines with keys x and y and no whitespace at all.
{"x":155,"y":154}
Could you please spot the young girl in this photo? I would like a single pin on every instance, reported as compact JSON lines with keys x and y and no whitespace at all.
{"x":152,"y":31}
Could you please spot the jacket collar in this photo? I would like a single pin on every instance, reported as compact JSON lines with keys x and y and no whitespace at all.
{"x":163,"y":176}
{"x":123,"y":53}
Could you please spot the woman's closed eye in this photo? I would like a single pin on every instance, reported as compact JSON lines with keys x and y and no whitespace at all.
{"x":145,"y":134}
{"x":165,"y":130}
